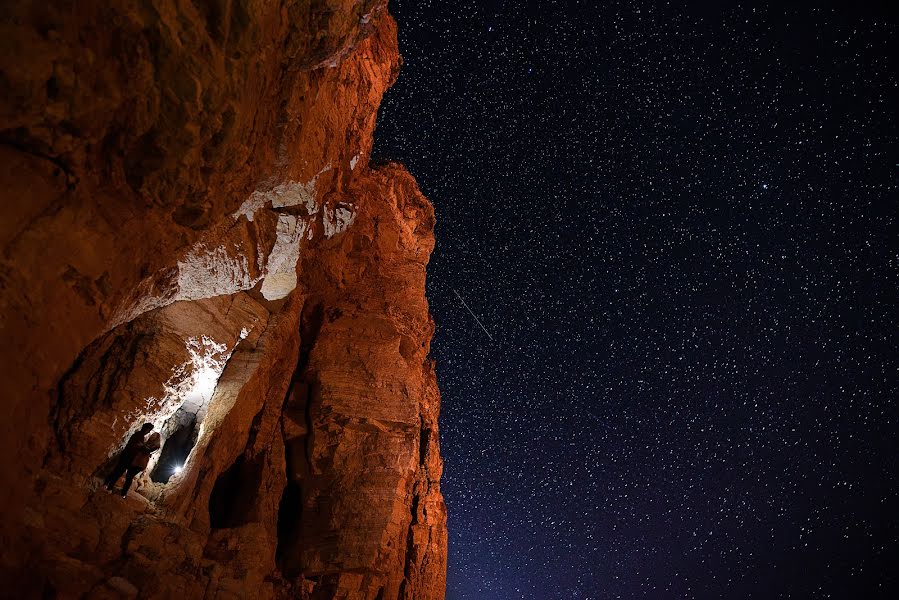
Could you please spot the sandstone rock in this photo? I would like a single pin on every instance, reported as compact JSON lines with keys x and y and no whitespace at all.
{"x":192,"y":236}
{"x":124,"y":587}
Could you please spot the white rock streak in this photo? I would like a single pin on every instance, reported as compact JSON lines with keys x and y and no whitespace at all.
{"x":337,"y":220}
{"x":205,"y":273}
{"x":294,"y":194}
{"x":289,"y":193}
{"x":249,"y":207}
{"x":281,"y":272}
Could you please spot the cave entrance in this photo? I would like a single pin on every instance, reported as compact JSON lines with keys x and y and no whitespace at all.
{"x":234,"y":496}
{"x":182,"y":429}
{"x":290,"y":516}
{"x":180,"y":432}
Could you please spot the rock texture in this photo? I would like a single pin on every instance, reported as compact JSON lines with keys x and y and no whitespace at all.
{"x":192,"y":235}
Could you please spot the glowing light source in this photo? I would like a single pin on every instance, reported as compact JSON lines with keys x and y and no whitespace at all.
{"x":178,"y":469}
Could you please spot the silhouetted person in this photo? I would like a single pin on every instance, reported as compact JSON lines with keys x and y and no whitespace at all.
{"x":141,"y":459}
{"x":129,"y":453}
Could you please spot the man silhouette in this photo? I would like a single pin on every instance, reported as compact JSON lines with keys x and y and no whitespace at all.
{"x":141,"y":460}
{"x":134,"y":445}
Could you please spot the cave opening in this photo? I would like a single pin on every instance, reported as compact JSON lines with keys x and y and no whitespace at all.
{"x":181,"y":432}
{"x":290,"y":515}
{"x":233,"y":499}
{"x":423,"y":442}
{"x":296,"y":410}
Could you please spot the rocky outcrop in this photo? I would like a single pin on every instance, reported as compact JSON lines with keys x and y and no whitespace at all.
{"x":192,"y":236}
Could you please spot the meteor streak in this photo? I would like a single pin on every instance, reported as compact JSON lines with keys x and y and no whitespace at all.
{"x":473,"y":315}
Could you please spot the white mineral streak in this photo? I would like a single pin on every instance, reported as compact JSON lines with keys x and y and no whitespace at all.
{"x":336,"y":220}
{"x":289,"y":193}
{"x":353,"y":162}
{"x":205,"y":273}
{"x":249,"y":207}
{"x":294,"y":193}
{"x":281,"y":272}
{"x":202,"y":273}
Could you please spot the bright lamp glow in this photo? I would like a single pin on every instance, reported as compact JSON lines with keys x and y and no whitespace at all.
{"x":177,"y":469}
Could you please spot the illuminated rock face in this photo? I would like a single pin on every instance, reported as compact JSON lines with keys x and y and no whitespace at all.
{"x":193,"y":237}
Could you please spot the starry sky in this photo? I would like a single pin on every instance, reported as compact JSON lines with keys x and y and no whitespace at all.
{"x":679,"y":227}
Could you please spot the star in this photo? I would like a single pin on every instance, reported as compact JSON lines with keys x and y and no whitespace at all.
{"x":692,"y":395}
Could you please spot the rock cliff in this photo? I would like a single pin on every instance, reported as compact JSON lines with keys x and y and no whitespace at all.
{"x":193,"y":236}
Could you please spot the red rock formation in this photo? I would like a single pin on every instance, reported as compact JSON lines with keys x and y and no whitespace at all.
{"x":192,"y":236}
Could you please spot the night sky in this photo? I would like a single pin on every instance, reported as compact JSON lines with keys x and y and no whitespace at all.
{"x":679,"y":226}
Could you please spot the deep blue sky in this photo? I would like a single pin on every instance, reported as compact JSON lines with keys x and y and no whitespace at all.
{"x":679,"y":226}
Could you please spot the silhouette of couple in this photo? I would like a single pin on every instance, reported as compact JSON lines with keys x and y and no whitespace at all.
{"x":134,"y":457}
